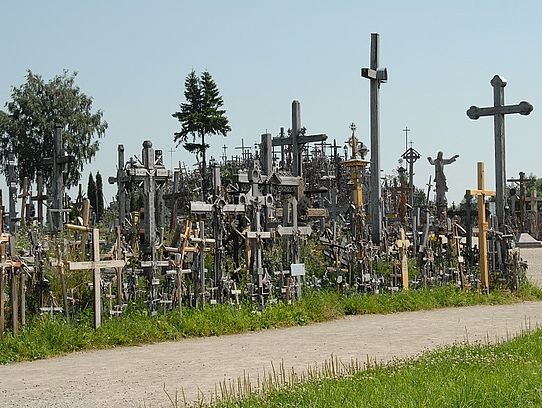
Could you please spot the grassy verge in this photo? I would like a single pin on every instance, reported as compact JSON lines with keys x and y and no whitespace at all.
{"x":46,"y":337}
{"x":504,"y":375}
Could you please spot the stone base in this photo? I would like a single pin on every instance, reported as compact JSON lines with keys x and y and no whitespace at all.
{"x":525,"y":240}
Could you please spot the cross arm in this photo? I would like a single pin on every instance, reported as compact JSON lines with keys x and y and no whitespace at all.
{"x":281,"y":141}
{"x":312,"y":138}
{"x":75,"y":266}
{"x":523,"y":108}
{"x":379,"y":74}
{"x":476,"y":192}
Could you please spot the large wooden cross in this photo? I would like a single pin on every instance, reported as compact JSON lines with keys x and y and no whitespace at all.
{"x":481,"y":193}
{"x":59,"y":161}
{"x":96,"y":265}
{"x":376,"y":76}
{"x":498,"y":110}
{"x":121,"y":179}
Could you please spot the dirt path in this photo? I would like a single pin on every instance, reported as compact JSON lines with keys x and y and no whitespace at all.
{"x":134,"y":376}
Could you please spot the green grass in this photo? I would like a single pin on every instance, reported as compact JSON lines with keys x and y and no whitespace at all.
{"x":46,"y":337}
{"x":504,"y":375}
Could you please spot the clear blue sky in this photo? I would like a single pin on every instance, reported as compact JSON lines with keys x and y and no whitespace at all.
{"x":133,"y":56}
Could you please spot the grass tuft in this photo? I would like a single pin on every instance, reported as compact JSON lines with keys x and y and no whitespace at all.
{"x":480,"y":375}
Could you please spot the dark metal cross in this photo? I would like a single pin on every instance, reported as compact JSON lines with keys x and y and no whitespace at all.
{"x":498,"y":110}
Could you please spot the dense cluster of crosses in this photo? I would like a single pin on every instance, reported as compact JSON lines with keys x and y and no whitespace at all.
{"x":292,"y":211}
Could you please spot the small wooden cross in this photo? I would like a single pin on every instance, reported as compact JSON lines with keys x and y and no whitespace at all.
{"x":403,"y":243}
{"x":481,"y":193}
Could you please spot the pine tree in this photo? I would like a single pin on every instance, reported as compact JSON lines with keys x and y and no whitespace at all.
{"x":201,"y":115}
{"x":99,"y":197}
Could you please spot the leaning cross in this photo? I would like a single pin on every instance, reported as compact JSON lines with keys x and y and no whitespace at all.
{"x":376,"y":76}
{"x":96,"y":265}
{"x":403,"y":245}
{"x":498,"y":110}
{"x":481,"y":192}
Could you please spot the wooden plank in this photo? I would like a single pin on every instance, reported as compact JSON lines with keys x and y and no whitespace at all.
{"x":2,"y":301}
{"x":96,"y":275}
{"x":77,"y":266}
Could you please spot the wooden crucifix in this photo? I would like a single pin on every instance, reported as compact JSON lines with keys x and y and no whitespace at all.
{"x":481,"y":193}
{"x":256,"y":236}
{"x":498,"y":110}
{"x":96,"y":265}
{"x":200,"y":248}
{"x":26,"y":197}
{"x":121,"y":179}
{"x":295,"y":232}
{"x":59,"y":161}
{"x":40,"y":196}
{"x":521,"y":180}
{"x":403,"y":243}
{"x":376,"y":76}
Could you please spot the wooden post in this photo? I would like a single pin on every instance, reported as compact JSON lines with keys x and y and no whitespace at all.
{"x":2,"y":301}
{"x":403,"y":243}
{"x":24,"y":197}
{"x":22,"y":297}
{"x":84,"y":234}
{"x":63,"y":284}
{"x":481,"y":193}
{"x":14,"y":302}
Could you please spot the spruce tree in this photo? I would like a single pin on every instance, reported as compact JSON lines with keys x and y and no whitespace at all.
{"x":201,"y":115}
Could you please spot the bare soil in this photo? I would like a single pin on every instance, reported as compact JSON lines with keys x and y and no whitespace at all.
{"x":137,"y":376}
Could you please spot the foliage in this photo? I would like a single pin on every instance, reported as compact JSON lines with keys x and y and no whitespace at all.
{"x":49,"y":336}
{"x":99,"y":197}
{"x":27,"y":127}
{"x":480,"y":375}
{"x":200,"y":115}
{"x":91,"y":192}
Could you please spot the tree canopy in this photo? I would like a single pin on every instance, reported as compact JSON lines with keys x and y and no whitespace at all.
{"x":27,"y":126}
{"x":200,"y":115}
